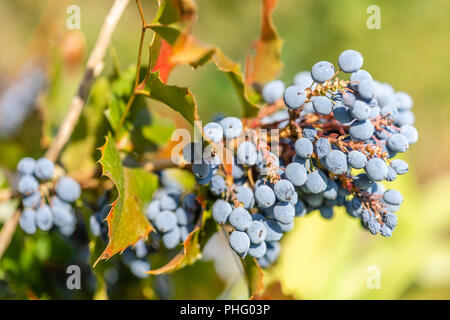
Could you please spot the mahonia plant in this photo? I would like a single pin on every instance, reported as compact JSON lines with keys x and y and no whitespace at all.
{"x":328,"y":140}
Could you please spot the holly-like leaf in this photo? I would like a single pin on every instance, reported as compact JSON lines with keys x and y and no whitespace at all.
{"x":255,"y":276}
{"x":127,"y":222}
{"x":265,"y":65}
{"x":192,"y":247}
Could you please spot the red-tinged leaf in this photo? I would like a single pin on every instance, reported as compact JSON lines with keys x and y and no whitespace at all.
{"x":273,"y":291}
{"x":163,"y":63}
{"x":127,"y":222}
{"x":192,"y":247}
{"x":255,"y":276}
{"x":265,"y":65}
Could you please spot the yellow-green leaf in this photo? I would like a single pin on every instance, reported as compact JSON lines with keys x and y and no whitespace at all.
{"x":127,"y":222}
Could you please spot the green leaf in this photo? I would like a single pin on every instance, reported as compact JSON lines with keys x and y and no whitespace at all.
{"x":168,"y":33}
{"x":126,"y":221}
{"x":178,"y":98}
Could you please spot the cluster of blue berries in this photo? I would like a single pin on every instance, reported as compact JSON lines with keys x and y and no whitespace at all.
{"x":336,"y":141}
{"x":46,"y":203}
{"x":173,"y":214}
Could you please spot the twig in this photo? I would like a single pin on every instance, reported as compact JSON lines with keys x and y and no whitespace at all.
{"x":8,"y":231}
{"x":94,"y":66}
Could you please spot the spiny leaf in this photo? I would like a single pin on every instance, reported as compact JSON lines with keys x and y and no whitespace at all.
{"x":127,"y":222}
{"x":265,"y":65}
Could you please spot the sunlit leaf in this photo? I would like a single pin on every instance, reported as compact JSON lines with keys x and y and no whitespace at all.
{"x":127,"y":222}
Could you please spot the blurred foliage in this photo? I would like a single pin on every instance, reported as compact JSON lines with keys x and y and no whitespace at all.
{"x":320,"y":259}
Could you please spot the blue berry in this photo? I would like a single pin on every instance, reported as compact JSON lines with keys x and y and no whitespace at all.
{"x":294,"y":97}
{"x":393,"y":197}
{"x":44,"y":169}
{"x":68,"y":189}
{"x":240,"y":219}
{"x":240,"y":242}
{"x":265,"y":197}
{"x":357,"y":159}
{"x":303,"y":79}
{"x":322,"y":71}
{"x":376,"y":169}
{"x":257,"y":250}
{"x":366,"y":88}
{"x":246,"y":153}
{"x":232,"y":127}
{"x":172,"y":238}
{"x":167,"y":202}
{"x":284,"y":212}
{"x":274,"y":232}
{"x":284,"y":190}
{"x":398,"y":143}
{"x":152,"y":210}
{"x":296,"y":173}
{"x":322,"y":105}
{"x":165,"y":221}
{"x":350,"y":61}
{"x":201,"y":170}
{"x":361,"y":130}
{"x":360,"y":110}
{"x":336,"y":162}
{"x":221,"y":210}
{"x":217,"y":185}
{"x":94,"y":226}
{"x":26,"y":166}
{"x":44,"y":220}
{"x":304,"y":147}
{"x":257,"y":232}
{"x":183,"y":217}
{"x":385,"y":231}
{"x":400,"y":166}
{"x":245,"y":195}
{"x":316,"y":182}
{"x":27,"y":185}
{"x":273,"y":91}
{"x":410,"y":133}
{"x":27,"y":221}
{"x":323,"y":146}
{"x":213,"y":131}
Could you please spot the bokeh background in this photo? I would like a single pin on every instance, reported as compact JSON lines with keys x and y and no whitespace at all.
{"x":320,"y":259}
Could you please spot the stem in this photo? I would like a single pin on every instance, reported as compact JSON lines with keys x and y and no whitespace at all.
{"x":138,"y":70}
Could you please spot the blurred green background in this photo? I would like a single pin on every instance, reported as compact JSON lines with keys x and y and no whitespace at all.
{"x":320,"y":259}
